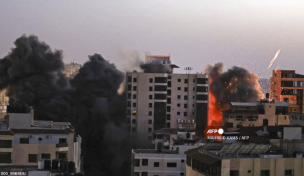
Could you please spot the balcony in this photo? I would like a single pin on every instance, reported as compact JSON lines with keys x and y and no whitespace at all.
{"x":61,"y":145}
{"x":5,"y":161}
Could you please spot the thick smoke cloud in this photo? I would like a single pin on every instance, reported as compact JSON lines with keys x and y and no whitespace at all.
{"x":155,"y":68}
{"x":32,"y":74}
{"x":235,"y":85}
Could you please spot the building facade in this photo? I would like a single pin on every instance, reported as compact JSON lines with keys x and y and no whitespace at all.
{"x":162,"y":100}
{"x":256,"y":114}
{"x":287,"y":85}
{"x":25,"y":142}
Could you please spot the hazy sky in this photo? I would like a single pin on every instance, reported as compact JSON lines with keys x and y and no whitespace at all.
{"x":194,"y":32}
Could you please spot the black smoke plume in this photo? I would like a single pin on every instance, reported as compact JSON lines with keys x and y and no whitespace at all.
{"x":235,"y":85}
{"x":155,"y":68}
{"x":32,"y":74}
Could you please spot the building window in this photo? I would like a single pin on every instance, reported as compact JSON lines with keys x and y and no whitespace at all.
{"x":150,"y":97}
{"x":134,"y":79}
{"x":178,"y":105}
{"x":150,"y":88}
{"x":171,"y":164}
{"x":288,"y":172}
{"x":144,"y":162}
{"x":169,"y":76}
{"x":234,"y":173}
{"x":168,"y":117}
{"x":129,"y":78}
{"x":182,"y":173}
{"x":150,"y":113}
{"x":185,"y":105}
{"x":133,"y":121}
{"x":136,"y":162}
{"x":178,"y":96}
{"x":178,"y":113}
{"x":168,"y":92}
{"x":186,"y":81}
{"x":129,"y":95}
{"x":265,"y":173}
{"x":169,"y":83}
{"x":185,"y":114}
{"x":32,"y":158}
{"x":45,"y":156}
{"x":5,"y":143}
{"x":39,"y":139}
{"x":24,"y":140}
{"x":134,"y":96}
{"x":168,"y":108}
{"x":150,"y":105}
{"x":149,"y":121}
{"x":134,"y":88}
{"x":62,"y":140}
{"x":134,"y":105}
{"x":192,"y":105}
{"x":193,"y":80}
{"x":168,"y":125}
{"x":185,"y":89}
{"x":149,"y":130}
{"x":156,"y":164}
{"x":185,"y":97}
{"x":144,"y":174}
{"x":182,"y":161}
{"x":178,"y":88}
{"x":178,"y":80}
{"x":133,"y":112}
{"x":129,"y":104}
{"x":193,"y":88}
{"x":168,"y":100}
{"x":129,"y":87}
{"x":151,"y":80}
{"x":249,"y":171}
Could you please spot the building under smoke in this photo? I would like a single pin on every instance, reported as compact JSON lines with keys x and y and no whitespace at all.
{"x":159,"y":99}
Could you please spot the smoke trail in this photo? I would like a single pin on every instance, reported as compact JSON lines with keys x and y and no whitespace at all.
{"x":274,"y":58}
{"x":33,"y":75}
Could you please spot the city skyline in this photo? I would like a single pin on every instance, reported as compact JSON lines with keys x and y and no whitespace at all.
{"x":193,"y":33}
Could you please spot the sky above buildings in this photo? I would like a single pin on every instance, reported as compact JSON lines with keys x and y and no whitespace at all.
{"x":193,"y":32}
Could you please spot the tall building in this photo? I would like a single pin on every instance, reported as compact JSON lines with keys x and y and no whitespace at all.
{"x":26,"y":143}
{"x":287,"y":85}
{"x":159,"y":99}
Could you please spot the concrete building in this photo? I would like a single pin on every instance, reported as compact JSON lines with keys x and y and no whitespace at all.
{"x":3,"y":103}
{"x":256,"y":114}
{"x":71,"y":69}
{"x":163,"y":100}
{"x":275,"y":151}
{"x":25,"y":143}
{"x":287,"y":85}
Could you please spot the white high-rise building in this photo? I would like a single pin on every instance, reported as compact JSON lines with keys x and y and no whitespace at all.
{"x":166,"y":100}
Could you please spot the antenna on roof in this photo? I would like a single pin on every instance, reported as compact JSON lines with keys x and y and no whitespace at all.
{"x":188,"y":70}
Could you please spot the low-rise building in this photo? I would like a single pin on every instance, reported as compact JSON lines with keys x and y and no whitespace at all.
{"x":267,"y":151}
{"x":25,"y":143}
{"x":256,"y":114}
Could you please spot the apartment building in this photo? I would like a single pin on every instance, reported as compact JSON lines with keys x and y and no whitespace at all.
{"x":287,"y":85}
{"x":162,"y":100}
{"x":24,"y":142}
{"x":256,"y":114}
{"x":267,"y":151}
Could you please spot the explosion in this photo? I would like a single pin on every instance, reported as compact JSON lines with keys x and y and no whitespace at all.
{"x":235,"y":85}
